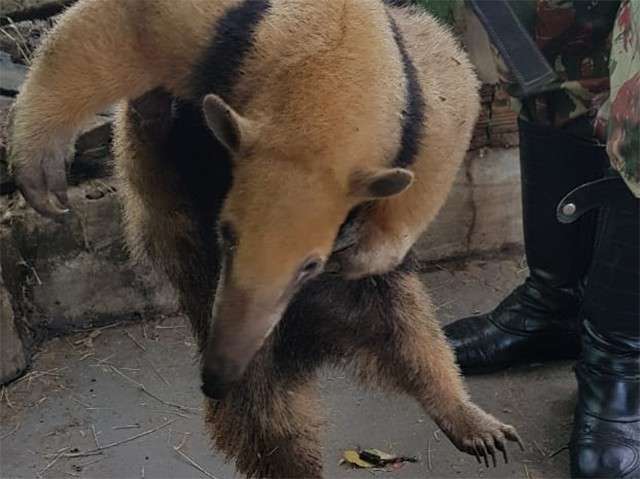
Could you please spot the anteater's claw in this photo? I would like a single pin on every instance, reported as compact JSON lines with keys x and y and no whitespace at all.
{"x":489,"y":445}
{"x":483,"y":450}
{"x":501,"y":447}
{"x":475,"y":453}
{"x":512,"y":435}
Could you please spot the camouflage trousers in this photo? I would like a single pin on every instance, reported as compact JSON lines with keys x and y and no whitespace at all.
{"x":622,"y":112}
{"x":594,"y":47}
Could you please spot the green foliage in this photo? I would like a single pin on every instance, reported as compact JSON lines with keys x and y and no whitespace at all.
{"x":444,"y":10}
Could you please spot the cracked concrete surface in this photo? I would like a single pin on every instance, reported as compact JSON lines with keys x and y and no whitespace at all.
{"x":90,"y":382}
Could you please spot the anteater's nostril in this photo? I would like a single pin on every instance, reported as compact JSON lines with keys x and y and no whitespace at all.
{"x":214,"y":391}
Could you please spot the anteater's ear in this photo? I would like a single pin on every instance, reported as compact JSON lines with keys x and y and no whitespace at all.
{"x":380,"y":183}
{"x":230,"y":128}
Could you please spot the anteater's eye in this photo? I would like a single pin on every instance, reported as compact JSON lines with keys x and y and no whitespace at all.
{"x":228,"y":235}
{"x":310,"y":268}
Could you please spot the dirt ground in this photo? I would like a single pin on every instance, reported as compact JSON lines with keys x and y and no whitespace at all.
{"x":133,"y":392}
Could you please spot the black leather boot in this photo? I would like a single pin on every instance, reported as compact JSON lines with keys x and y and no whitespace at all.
{"x":539,"y":320}
{"x":606,"y":432}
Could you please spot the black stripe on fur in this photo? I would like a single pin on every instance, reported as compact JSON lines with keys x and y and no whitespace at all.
{"x":414,"y":110}
{"x":219,"y":68}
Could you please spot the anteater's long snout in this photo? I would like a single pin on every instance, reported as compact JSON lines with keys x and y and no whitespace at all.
{"x":240,"y":326}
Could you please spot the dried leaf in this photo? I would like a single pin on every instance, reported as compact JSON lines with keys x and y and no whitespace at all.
{"x":378,"y":457}
{"x":374,"y":458}
{"x":353,"y":458}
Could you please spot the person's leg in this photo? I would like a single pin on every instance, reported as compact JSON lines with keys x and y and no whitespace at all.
{"x":606,"y":433}
{"x":539,"y":319}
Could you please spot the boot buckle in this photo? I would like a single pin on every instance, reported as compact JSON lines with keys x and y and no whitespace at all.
{"x":589,"y":196}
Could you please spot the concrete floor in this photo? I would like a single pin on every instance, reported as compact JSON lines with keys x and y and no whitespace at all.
{"x":85,"y":388}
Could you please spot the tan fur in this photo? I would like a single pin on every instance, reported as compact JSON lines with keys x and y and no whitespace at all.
{"x":343,"y":89}
{"x":98,"y":53}
{"x":450,"y":89}
{"x":320,"y":110}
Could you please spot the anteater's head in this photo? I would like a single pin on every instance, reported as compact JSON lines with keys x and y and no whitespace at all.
{"x":276,"y":232}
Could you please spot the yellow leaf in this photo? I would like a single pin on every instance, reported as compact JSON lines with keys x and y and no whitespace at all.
{"x":353,"y":458}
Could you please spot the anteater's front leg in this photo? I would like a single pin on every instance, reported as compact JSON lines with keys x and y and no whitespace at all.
{"x":98,"y":53}
{"x":268,"y":423}
{"x":407,"y":351}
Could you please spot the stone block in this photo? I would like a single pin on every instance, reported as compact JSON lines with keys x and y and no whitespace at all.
{"x":76,"y":273}
{"x":448,"y":234}
{"x":13,"y":360}
{"x":12,"y":74}
{"x":495,"y":182}
{"x":483,"y":211}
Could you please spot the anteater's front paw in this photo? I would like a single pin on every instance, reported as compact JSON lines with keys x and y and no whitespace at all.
{"x":480,"y":434}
